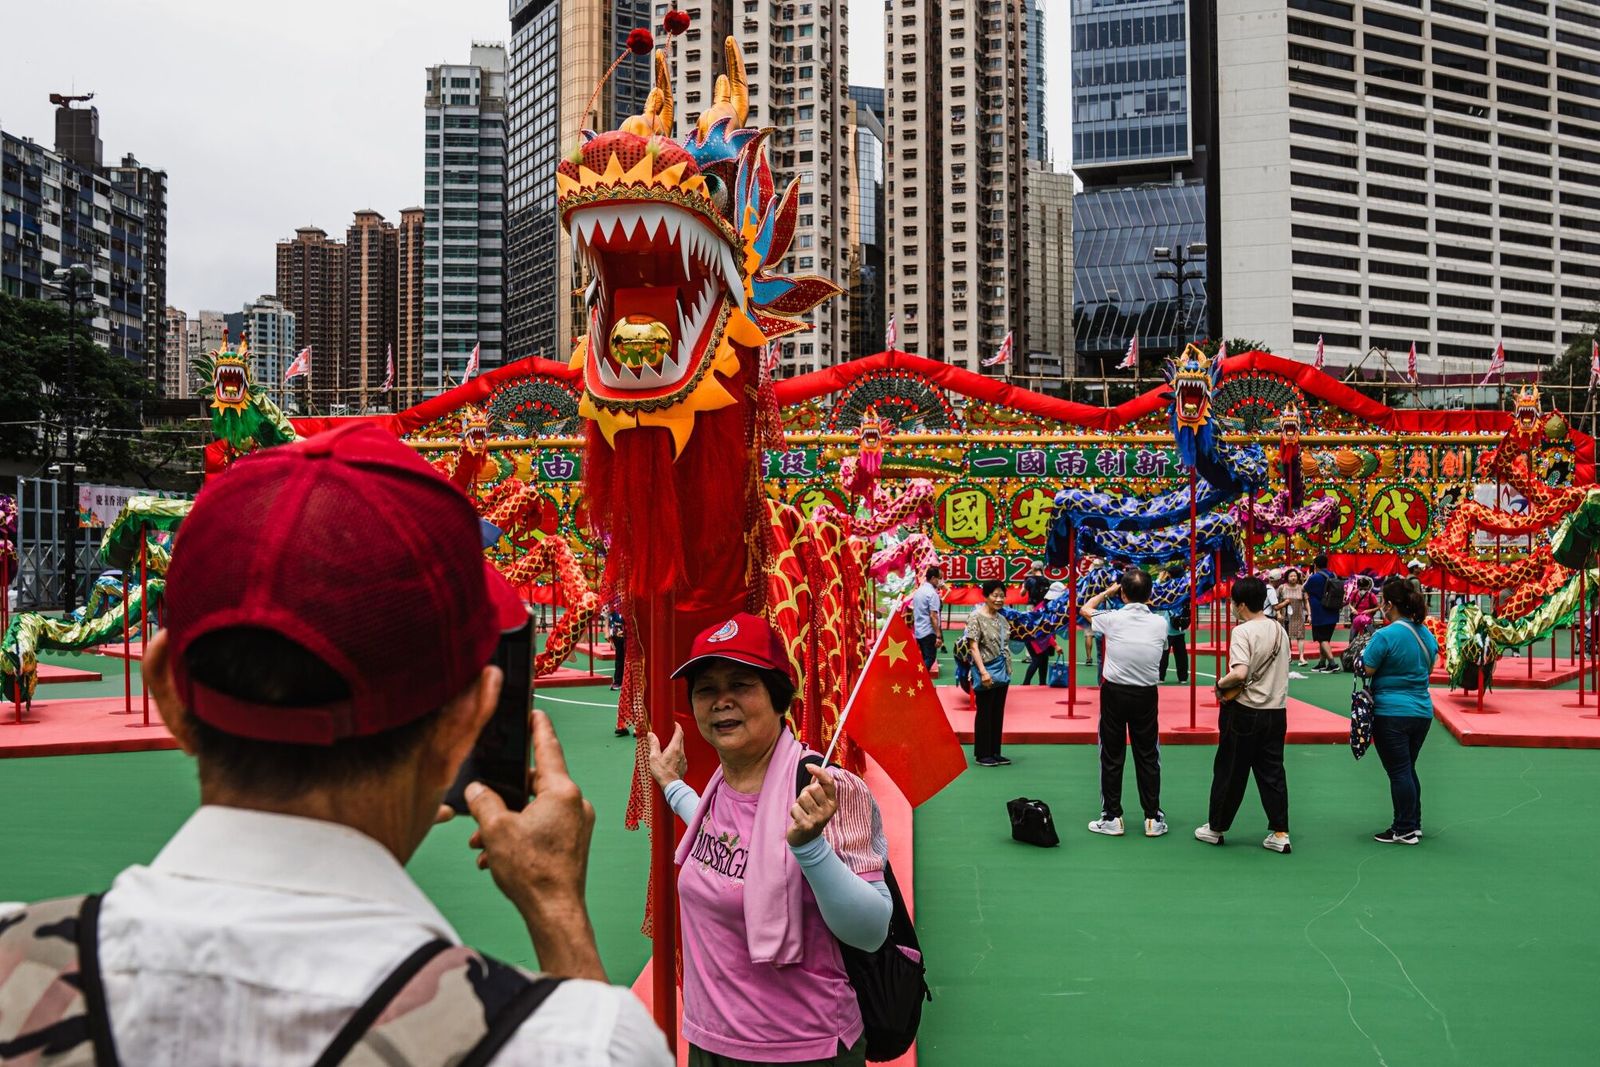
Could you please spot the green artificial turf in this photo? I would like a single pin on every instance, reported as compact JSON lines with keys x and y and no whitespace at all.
{"x":1482,"y":945}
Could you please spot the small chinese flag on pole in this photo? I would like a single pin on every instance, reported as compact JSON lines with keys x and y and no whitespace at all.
{"x":1131,"y":360}
{"x":1594,"y":362}
{"x":1497,"y":363}
{"x":301,"y":365}
{"x":1319,"y":352}
{"x":897,"y":719}
{"x":472,"y":364}
{"x":890,"y":335}
{"x":1411,"y":363}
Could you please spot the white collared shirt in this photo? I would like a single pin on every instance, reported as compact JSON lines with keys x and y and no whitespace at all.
{"x":253,"y":937}
{"x":1135,"y":638}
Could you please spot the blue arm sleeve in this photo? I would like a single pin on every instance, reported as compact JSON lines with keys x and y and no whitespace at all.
{"x":682,"y":799}
{"x":856,"y":910}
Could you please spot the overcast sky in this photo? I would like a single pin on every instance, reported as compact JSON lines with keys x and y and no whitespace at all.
{"x":267,"y":117}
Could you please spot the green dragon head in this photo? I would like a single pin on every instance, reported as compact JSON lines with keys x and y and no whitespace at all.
{"x":240,"y":416}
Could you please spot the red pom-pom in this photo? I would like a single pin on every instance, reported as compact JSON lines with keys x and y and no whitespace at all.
{"x":640,"y":42}
{"x":675,"y":22}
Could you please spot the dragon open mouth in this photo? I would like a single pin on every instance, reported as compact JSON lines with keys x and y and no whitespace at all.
{"x":1191,"y":395}
{"x":230,"y":382}
{"x":660,"y":280}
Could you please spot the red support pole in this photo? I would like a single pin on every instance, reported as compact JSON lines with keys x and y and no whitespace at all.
{"x":663,"y":881}
{"x":144,"y":621}
{"x":1194,"y":600}
{"x":1218,"y":621}
{"x":127,"y":652}
{"x":1072,"y":624}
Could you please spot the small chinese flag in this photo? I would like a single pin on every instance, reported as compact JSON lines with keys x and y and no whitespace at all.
{"x":896,"y":718}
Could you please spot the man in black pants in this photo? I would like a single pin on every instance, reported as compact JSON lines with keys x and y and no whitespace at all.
{"x":1254,"y":723}
{"x":1135,"y":638}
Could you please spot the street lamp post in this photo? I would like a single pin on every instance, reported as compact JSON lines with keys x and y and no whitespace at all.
{"x":1180,"y":257}
{"x":71,"y":279}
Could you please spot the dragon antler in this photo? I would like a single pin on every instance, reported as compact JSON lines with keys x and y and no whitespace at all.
{"x":656,"y":119}
{"x":731,"y":98}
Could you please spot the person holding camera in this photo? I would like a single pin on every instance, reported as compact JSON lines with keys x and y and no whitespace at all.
{"x":769,"y":883}
{"x":1253,"y":720}
{"x":1135,"y":638}
{"x":330,"y":624}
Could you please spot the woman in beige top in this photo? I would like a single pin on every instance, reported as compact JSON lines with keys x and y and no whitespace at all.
{"x":1292,"y":611}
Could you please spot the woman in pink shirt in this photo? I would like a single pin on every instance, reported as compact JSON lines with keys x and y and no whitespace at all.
{"x":769,"y":883}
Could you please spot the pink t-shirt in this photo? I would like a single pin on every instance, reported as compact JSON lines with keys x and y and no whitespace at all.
{"x":758,"y":1011}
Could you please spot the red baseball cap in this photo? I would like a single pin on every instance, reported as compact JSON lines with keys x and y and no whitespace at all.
{"x":744,"y":638}
{"x":351,"y":546}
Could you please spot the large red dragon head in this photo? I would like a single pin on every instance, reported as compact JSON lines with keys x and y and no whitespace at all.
{"x":680,"y":241}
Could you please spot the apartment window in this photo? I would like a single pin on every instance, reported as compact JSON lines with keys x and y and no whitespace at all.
{"x":1525,"y":262}
{"x":1440,"y":7}
{"x":1323,"y":207}
{"x":1457,"y":61}
{"x":1317,"y":181}
{"x":1398,"y":23}
{"x":1331,"y":8}
{"x":1404,"y":296}
{"x":1321,"y":311}
{"x":1398,"y":270}
{"x":1390,"y":118}
{"x":1451,"y":35}
{"x":1463,"y":229}
{"x":1389,"y":46}
{"x":1461,"y":277}
{"x":1456,"y":203}
{"x":1389,"y":192}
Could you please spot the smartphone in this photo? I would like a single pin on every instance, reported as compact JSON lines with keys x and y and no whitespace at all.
{"x":499,"y":758}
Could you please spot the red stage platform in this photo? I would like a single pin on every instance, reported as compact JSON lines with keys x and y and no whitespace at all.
{"x":602,"y":650}
{"x":1520,"y":719}
{"x":76,"y":727}
{"x":1513,"y":674}
{"x":566,"y":677}
{"x":1036,"y":715}
{"x":50,"y":674}
{"x":135,"y":650}
{"x":897,"y":827}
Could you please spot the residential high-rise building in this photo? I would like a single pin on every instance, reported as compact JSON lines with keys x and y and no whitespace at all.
{"x":1139,"y":109}
{"x":210,"y":330}
{"x":372,"y":300}
{"x":408,"y":346}
{"x":464,"y":213}
{"x":956,"y":86}
{"x":311,"y":283}
{"x":795,"y":58}
{"x":269,"y":327}
{"x":174,"y":383}
{"x":1045,"y":347}
{"x":1038,"y":139}
{"x":62,"y":208}
{"x":867,"y":280}
{"x":138,"y":182}
{"x":1396,"y":175}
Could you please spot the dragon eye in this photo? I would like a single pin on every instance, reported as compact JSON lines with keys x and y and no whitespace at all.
{"x":719,"y":195}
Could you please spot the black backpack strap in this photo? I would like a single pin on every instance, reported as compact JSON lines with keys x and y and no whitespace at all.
{"x":802,"y":777}
{"x":93,"y":988}
{"x":356,"y":1027}
{"x":510,"y":1018}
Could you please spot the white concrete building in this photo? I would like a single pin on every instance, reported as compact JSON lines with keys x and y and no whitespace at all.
{"x":796,"y":58}
{"x":175,"y":376}
{"x":1395,"y":174}
{"x":270,"y":329}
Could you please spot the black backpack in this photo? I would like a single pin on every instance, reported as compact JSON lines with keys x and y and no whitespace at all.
{"x":891,"y":981}
{"x":1332,"y":593}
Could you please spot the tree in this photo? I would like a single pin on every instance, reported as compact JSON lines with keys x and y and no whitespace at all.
{"x":35,"y":405}
{"x":1568,"y":377}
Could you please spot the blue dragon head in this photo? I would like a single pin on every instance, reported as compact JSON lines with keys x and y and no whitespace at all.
{"x":1193,"y":377}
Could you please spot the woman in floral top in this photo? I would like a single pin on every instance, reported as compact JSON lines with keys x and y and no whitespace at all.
{"x":989,"y":637}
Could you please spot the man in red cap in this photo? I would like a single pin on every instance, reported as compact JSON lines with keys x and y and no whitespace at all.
{"x":330,"y":622}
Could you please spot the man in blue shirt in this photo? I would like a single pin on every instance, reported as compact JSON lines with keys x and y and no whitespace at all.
{"x":925,"y":617}
{"x":1323,"y":620}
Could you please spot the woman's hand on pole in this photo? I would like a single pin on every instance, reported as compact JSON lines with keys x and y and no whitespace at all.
{"x":813,"y":808}
{"x":669,"y":764}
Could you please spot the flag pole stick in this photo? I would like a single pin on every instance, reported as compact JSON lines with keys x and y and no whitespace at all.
{"x":838,"y":731}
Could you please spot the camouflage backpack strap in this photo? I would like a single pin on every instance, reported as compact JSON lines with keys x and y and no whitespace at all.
{"x":52,"y":1004}
{"x":445,"y":1005}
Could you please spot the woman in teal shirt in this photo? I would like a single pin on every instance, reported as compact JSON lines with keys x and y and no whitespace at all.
{"x":1398,"y":659}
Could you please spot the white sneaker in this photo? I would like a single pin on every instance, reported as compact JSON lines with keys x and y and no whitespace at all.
{"x":1109,"y":827}
{"x":1277,"y":842}
{"x":1207,"y":834}
{"x":1297,"y":675}
{"x":1155,"y":827}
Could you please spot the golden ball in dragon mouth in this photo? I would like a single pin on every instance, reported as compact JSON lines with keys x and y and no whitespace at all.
{"x":640,"y":341}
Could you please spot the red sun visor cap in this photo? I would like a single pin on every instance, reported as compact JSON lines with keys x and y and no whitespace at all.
{"x":745,"y":638}
{"x":351,"y":546}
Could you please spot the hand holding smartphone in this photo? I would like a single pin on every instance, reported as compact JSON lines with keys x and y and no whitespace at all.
{"x":499,"y":758}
